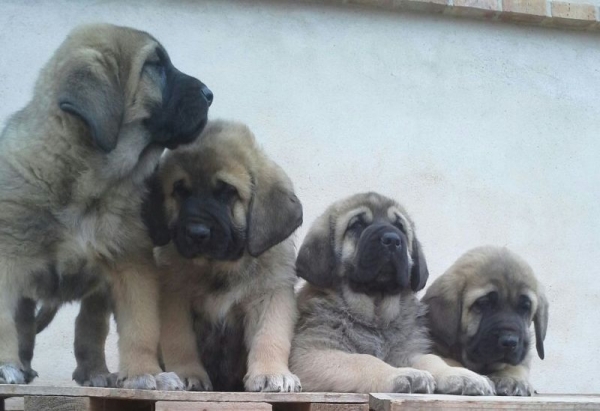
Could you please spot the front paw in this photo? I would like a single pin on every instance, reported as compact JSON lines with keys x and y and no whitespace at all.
{"x":460,"y":381}
{"x":276,"y":382}
{"x":11,"y":374}
{"x":411,"y":380}
{"x":512,"y":386}
{"x":95,"y":378}
{"x":166,"y":381}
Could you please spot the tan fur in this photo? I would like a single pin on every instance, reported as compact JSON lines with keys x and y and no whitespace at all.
{"x":260,"y":288}
{"x":359,"y":341}
{"x":73,"y":165}
{"x":454,"y":322}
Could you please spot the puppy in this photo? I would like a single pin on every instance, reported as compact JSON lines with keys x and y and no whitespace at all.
{"x":361,"y":327}
{"x":229,"y":270}
{"x":480,"y":313}
{"x":73,"y":165}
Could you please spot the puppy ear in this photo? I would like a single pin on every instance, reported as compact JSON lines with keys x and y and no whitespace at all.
{"x":540,"y":322}
{"x":444,"y":312}
{"x":419,"y":272}
{"x":90,"y":90}
{"x":316,"y":258}
{"x":275,"y":213}
{"x":153,"y":212}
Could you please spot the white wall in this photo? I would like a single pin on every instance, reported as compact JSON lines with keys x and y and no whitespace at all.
{"x":487,"y":132}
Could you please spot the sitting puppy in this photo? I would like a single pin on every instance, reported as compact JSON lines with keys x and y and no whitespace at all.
{"x":73,"y":168}
{"x":480,"y":312}
{"x":229,"y":270}
{"x":361,"y":328}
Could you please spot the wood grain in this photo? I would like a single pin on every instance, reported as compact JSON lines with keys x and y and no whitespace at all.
{"x":320,"y":407}
{"x":397,"y":402}
{"x":57,"y":403}
{"x":119,"y":393}
{"x":211,"y":406}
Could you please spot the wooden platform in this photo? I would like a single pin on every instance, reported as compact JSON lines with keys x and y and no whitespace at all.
{"x":40,"y":398}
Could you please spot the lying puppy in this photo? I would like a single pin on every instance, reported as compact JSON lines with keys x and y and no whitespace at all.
{"x":480,"y":313}
{"x":73,"y":165}
{"x":361,"y":328}
{"x":229,"y":270}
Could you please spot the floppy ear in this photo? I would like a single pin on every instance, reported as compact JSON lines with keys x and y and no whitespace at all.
{"x":275,"y":213}
{"x":316,"y":259}
{"x":444,"y":312}
{"x":419,"y":272}
{"x":540,"y":322}
{"x":91,"y":91}
{"x":153,"y":212}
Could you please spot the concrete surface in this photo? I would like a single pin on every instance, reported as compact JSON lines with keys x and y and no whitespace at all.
{"x":487,"y":132}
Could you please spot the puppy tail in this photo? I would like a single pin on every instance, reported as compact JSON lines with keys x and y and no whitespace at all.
{"x":44,"y":316}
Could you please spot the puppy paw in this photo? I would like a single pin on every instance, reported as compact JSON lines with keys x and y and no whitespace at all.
{"x":169,"y":381}
{"x":11,"y":374}
{"x":512,"y":386}
{"x":284,"y":382}
{"x":95,"y":378}
{"x":30,"y":374}
{"x":460,"y":381}
{"x":410,"y":380}
{"x":137,"y":382}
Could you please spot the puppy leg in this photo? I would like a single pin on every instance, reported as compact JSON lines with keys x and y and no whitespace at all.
{"x":178,"y":342}
{"x":91,"y":329}
{"x":135,"y":295}
{"x":26,"y":331}
{"x":453,"y":380}
{"x":512,"y":380}
{"x":268,"y":329}
{"x":338,"y":371}
{"x":10,"y":366}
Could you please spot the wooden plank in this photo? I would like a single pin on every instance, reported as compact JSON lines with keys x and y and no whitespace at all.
{"x":57,"y":403}
{"x":211,"y":406}
{"x":320,"y":407}
{"x":13,"y":404}
{"x":414,"y":402}
{"x":120,"y":393}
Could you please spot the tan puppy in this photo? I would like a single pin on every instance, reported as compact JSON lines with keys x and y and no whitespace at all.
{"x":480,"y":313}
{"x":229,"y":270}
{"x":73,"y":165}
{"x":361,"y":327}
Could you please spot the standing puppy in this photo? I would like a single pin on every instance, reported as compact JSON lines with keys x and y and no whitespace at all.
{"x":73,"y":165}
{"x":361,"y":327}
{"x":480,"y":313}
{"x":229,"y":270}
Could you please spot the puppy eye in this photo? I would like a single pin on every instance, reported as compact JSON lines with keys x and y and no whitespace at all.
{"x":524,"y":304}
{"x":225,"y":191}
{"x":356,"y":224}
{"x":179,"y":189}
{"x":486,"y":302}
{"x":399,"y":225}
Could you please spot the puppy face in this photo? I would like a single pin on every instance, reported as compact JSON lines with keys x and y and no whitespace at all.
{"x":221,"y":197}
{"x":367,"y":241}
{"x":120,"y":83}
{"x":497,"y":298}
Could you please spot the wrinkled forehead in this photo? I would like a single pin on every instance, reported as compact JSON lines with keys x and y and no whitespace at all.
{"x":510,"y":289}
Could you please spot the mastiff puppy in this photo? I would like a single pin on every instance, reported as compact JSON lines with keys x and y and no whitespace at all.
{"x":73,"y":165}
{"x":227,"y":305}
{"x":480,"y":313}
{"x":361,"y":327}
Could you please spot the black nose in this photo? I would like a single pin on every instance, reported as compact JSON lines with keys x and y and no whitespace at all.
{"x":391,"y":241}
{"x":198,"y":232}
{"x":508,"y":342}
{"x":207,"y":94}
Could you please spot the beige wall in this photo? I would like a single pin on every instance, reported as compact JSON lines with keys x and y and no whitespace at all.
{"x":487,"y":132}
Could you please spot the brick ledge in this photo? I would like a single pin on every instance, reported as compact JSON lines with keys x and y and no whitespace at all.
{"x":545,"y":13}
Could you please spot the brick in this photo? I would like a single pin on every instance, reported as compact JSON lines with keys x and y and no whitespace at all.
{"x":487,"y":9}
{"x":572,"y":14}
{"x":531,"y":11}
{"x":434,"y":6}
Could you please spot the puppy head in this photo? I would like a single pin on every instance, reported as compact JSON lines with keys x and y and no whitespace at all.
{"x":222,"y":196}
{"x":367,"y":241}
{"x":484,"y":305}
{"x":119,"y":85}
